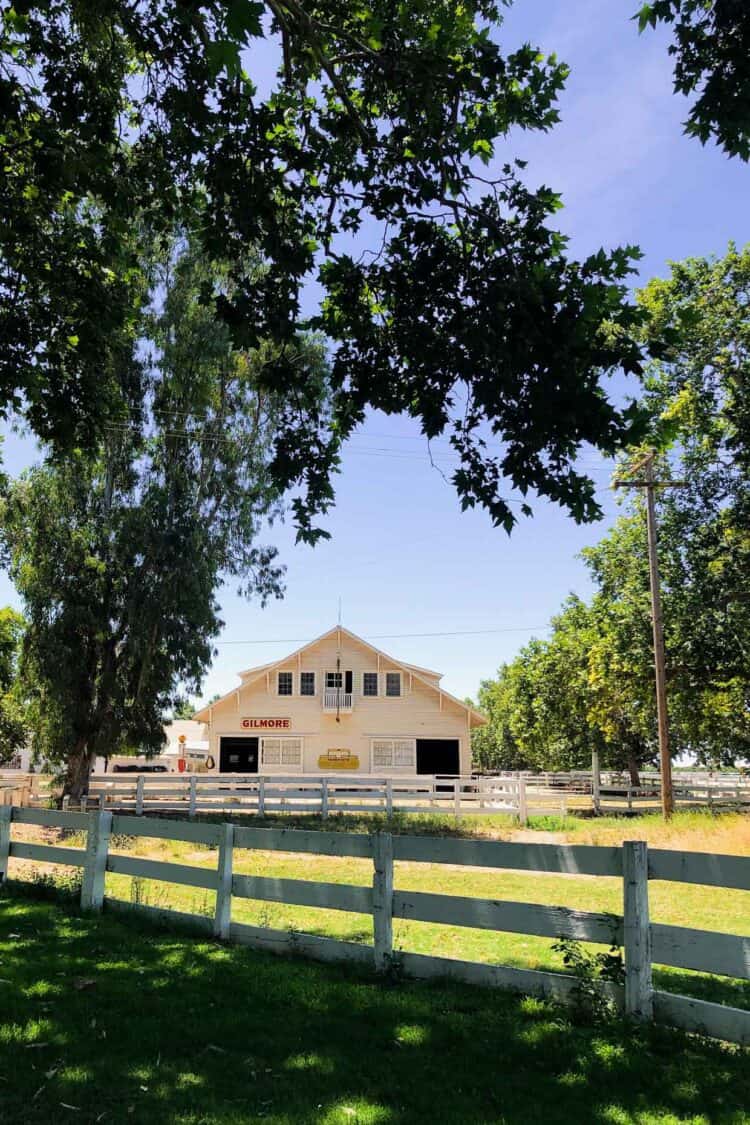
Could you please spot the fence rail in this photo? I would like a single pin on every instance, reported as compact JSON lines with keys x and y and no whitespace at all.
{"x":25,"y":788}
{"x":322,"y":795}
{"x":519,"y":795}
{"x":613,"y":791}
{"x":644,"y":942}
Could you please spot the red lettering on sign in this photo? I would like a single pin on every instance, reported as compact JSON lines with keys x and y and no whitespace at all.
{"x":266,"y":724}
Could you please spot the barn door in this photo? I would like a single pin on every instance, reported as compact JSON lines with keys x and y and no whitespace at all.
{"x":438,"y":755}
{"x":238,"y":755}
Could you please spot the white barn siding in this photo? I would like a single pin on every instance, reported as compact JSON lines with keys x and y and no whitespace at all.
{"x":421,"y":711}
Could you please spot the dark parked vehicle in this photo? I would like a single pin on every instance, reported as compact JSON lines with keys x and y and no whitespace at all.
{"x":119,"y":768}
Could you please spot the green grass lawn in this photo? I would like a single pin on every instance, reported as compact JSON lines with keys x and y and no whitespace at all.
{"x":110,"y":1020}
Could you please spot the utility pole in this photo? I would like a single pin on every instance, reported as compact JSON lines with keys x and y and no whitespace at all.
{"x":646,"y":463}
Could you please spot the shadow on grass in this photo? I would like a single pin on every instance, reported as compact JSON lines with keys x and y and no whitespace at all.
{"x":413,"y":824}
{"x":114,"y":1021}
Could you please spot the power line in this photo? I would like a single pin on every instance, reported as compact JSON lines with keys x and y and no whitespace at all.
{"x":395,"y":636}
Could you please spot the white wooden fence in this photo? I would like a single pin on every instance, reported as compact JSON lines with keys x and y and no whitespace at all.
{"x":521,"y":795}
{"x":14,"y":793}
{"x":647,"y":797}
{"x":323,"y":795}
{"x":620,"y":778}
{"x":25,"y":788}
{"x":612,"y":792}
{"x":644,"y":942}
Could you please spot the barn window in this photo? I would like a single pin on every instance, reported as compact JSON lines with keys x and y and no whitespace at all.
{"x":393,"y":683}
{"x":369,"y":683}
{"x":394,"y":753}
{"x":404,"y":753}
{"x":282,"y":752}
{"x":286,"y":683}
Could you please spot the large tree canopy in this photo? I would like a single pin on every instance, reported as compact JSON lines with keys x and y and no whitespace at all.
{"x":564,"y":697}
{"x":590,"y":685}
{"x":118,"y":552}
{"x":699,"y":395}
{"x":711,"y":50}
{"x":385,"y":128}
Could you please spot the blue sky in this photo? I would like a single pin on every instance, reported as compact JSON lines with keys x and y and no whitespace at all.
{"x":403,"y":559}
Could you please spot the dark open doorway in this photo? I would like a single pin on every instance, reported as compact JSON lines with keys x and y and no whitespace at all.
{"x":238,"y":755}
{"x":438,"y":755}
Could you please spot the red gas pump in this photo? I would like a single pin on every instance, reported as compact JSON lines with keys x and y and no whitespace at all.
{"x":181,"y":761}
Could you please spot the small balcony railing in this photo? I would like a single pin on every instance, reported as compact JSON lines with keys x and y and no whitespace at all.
{"x":335,"y":699}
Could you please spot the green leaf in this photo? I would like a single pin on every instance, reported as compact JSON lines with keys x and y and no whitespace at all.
{"x":244,"y":19}
{"x":223,"y":54}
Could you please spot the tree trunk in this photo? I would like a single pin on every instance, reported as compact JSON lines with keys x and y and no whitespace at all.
{"x":77,"y":774}
{"x":633,"y":770}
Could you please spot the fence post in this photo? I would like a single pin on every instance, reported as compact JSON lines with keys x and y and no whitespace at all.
{"x":639,"y":1001}
{"x":261,"y":796}
{"x":456,"y":796}
{"x":193,"y":783}
{"x":382,"y":899}
{"x":223,"y":915}
{"x":6,"y":812}
{"x":95,"y":864}
{"x":324,"y":797}
{"x":523,"y":808}
{"x":139,"y":795}
{"x":596,"y":782}
{"x":389,"y":797}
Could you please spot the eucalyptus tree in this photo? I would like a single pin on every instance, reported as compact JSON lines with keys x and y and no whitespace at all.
{"x":374,"y":161}
{"x":119,"y":552}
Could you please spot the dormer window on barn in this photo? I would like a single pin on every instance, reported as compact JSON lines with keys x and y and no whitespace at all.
{"x":393,"y":684}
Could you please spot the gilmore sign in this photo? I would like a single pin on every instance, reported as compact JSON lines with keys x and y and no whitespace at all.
{"x":266,"y":724}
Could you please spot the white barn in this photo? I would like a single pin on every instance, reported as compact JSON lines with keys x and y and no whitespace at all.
{"x":338,"y":703}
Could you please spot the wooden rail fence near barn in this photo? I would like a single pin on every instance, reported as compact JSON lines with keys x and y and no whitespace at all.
{"x":609,"y":791}
{"x":644,"y":942}
{"x":26,"y":788}
{"x":521,"y":795}
{"x":323,"y":795}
